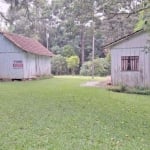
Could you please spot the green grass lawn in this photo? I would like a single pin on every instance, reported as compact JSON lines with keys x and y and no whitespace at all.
{"x":59,"y":114}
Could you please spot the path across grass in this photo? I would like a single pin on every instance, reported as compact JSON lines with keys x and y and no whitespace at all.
{"x":59,"y":114}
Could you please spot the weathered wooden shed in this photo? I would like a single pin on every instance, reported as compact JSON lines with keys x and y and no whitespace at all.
{"x":130,"y":60}
{"x":22,"y":57}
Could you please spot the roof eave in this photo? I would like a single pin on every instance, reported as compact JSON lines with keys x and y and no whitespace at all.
{"x":114,"y":43}
{"x":16,"y":44}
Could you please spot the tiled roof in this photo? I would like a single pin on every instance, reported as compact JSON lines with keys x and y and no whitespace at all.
{"x":27,"y":44}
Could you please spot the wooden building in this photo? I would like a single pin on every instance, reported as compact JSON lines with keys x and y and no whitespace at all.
{"x":22,"y":57}
{"x":130,"y":60}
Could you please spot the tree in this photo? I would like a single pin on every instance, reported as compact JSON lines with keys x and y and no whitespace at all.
{"x":101,"y":67}
{"x":144,"y":17}
{"x":73,"y":63}
{"x":68,"y":22}
{"x":33,"y":18}
{"x":141,"y":22}
{"x":56,"y":50}
{"x":81,"y":13}
{"x":67,"y":51}
{"x":59,"y":65}
{"x":144,"y":21}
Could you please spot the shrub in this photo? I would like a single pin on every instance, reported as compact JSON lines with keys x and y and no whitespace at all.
{"x":56,"y":50}
{"x":67,"y":51}
{"x":121,"y":88}
{"x":59,"y":65}
{"x":73,"y":63}
{"x":101,"y":67}
{"x":125,"y":89}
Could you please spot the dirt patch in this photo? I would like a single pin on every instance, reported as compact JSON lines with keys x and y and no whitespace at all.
{"x":103,"y":83}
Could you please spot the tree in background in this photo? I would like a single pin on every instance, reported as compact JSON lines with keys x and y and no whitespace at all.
{"x":59,"y":65}
{"x":56,"y":50}
{"x":69,"y":23}
{"x":141,"y":22}
{"x":144,"y":21}
{"x":73,"y":63}
{"x":67,"y":51}
{"x":144,"y":17}
{"x":101,"y":67}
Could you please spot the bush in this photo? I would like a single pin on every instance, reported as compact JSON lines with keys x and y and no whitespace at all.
{"x":59,"y":65}
{"x":67,"y":51}
{"x":73,"y":63}
{"x":101,"y":67}
{"x":56,"y":50}
{"x":121,"y":88}
{"x":129,"y":90}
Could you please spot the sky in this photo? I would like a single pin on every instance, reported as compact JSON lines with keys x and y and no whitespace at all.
{"x":3,"y":6}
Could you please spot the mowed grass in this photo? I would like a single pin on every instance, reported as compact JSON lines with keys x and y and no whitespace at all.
{"x":59,"y":114}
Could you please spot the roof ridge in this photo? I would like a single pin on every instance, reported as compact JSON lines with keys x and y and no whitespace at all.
{"x":122,"y":38}
{"x":20,"y":35}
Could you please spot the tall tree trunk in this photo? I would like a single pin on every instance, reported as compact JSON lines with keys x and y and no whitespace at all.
{"x":82,"y":45}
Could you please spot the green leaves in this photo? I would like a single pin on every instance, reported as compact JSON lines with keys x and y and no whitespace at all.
{"x":72,"y":63}
{"x":59,"y":65}
{"x":67,"y":51}
{"x":101,"y":67}
{"x":141,"y":22}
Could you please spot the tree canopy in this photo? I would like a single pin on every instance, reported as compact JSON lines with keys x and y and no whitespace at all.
{"x":68,"y":26}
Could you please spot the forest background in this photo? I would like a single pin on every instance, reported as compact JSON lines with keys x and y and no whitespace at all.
{"x":76,"y":30}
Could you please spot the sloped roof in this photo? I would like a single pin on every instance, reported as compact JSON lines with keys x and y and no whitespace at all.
{"x":122,"y":39}
{"x":27,"y":44}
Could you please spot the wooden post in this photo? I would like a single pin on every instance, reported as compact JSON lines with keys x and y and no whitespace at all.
{"x":93,"y":51}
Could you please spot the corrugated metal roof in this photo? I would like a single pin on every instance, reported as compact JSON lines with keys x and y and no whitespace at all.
{"x":27,"y":44}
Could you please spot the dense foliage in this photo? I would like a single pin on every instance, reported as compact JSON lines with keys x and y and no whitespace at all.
{"x":59,"y":65}
{"x":67,"y":27}
{"x":73,"y":63}
{"x":144,"y":17}
{"x":101,"y":67}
